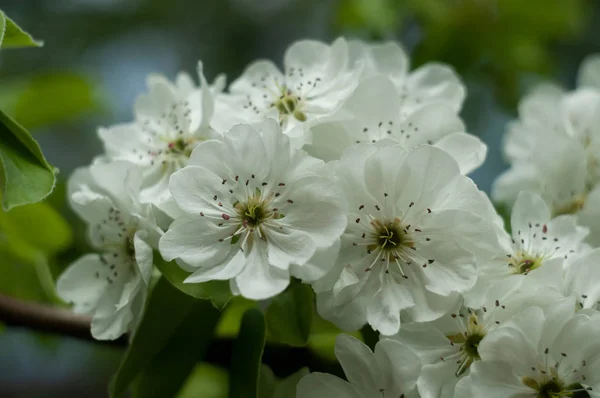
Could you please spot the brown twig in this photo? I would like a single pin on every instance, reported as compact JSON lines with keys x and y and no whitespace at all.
{"x":45,"y":318}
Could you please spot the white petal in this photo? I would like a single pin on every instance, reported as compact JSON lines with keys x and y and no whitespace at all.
{"x":289,"y":247}
{"x":359,"y":364}
{"x":324,"y":385}
{"x":259,"y":280}
{"x":383,"y":311}
{"x":496,"y":380}
{"x":468,"y":150}
{"x":319,"y":264}
{"x":229,"y":268}
{"x":349,"y":316}
{"x":80,"y":285}
{"x":528,"y":208}
{"x":194,"y":188}
{"x":399,"y":366}
{"x":195,"y":240}
{"x":437,"y":82}
{"x":439,"y":380}
{"x":318,"y":209}
{"x":515,"y":341}
{"x":143,"y":257}
{"x":589,"y":72}
{"x":429,"y":124}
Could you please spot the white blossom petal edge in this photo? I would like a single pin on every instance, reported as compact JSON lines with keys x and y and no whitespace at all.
{"x":390,"y":372}
{"x":253,"y":208}
{"x":111,"y":286}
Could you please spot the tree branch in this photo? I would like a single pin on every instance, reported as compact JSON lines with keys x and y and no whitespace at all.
{"x":45,"y":318}
{"x":282,"y":359}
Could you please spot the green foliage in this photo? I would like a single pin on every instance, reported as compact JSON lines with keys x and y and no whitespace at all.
{"x":206,"y":381}
{"x":247,"y":354}
{"x":12,"y":36}
{"x":30,"y":236}
{"x":217,"y":292}
{"x":167,"y":372}
{"x":379,"y":16}
{"x":26,"y":175}
{"x":289,"y":315}
{"x":166,"y":310}
{"x":53,"y":98}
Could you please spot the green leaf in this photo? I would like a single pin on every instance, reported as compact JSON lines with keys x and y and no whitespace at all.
{"x":166,"y":310}
{"x":12,"y":36}
{"x":231,"y":320}
{"x":247,"y":354}
{"x":39,"y":225}
{"x":167,"y":372}
{"x":217,"y":292}
{"x":289,"y":316}
{"x":266,"y":382}
{"x":206,"y":381}
{"x":53,"y":98}
{"x":26,"y":175}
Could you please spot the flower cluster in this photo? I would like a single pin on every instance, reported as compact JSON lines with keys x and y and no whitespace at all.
{"x":348,"y":171}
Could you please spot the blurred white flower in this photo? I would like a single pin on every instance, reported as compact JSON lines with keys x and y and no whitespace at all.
{"x":111,"y":286}
{"x":390,"y":372}
{"x":170,"y":120}
{"x":416,"y":228}
{"x":255,"y":211}
{"x":537,"y":354}
{"x":553,"y":149}
{"x":316,"y":78}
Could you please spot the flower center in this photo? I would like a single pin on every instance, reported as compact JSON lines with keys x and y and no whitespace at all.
{"x":255,"y":211}
{"x":289,"y":104}
{"x":522,"y":263}
{"x":181,"y":147}
{"x":470,"y":340}
{"x":389,"y":236}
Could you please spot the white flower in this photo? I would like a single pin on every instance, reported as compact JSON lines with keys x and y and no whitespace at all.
{"x":448,"y":346}
{"x":316,"y":77}
{"x":537,"y":354}
{"x":432,"y":82}
{"x":555,"y":281}
{"x":111,"y":286}
{"x":536,"y":240}
{"x":373,"y":113}
{"x":390,"y":372}
{"x":415,"y":225}
{"x":554,"y":147}
{"x":171,"y":119}
{"x":256,"y":212}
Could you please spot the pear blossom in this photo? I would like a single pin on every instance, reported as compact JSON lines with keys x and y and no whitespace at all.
{"x":111,"y":286}
{"x":449,"y":345}
{"x":553,"y":149}
{"x":316,"y":78}
{"x":254,"y":211}
{"x":556,"y":281}
{"x":170,"y":120}
{"x":416,"y":229}
{"x":540,"y":354}
{"x":389,"y":372}
{"x":432,"y":82}
{"x":536,"y":240}
{"x":372,"y":113}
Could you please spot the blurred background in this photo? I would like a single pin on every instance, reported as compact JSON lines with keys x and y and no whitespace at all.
{"x":94,"y":63}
